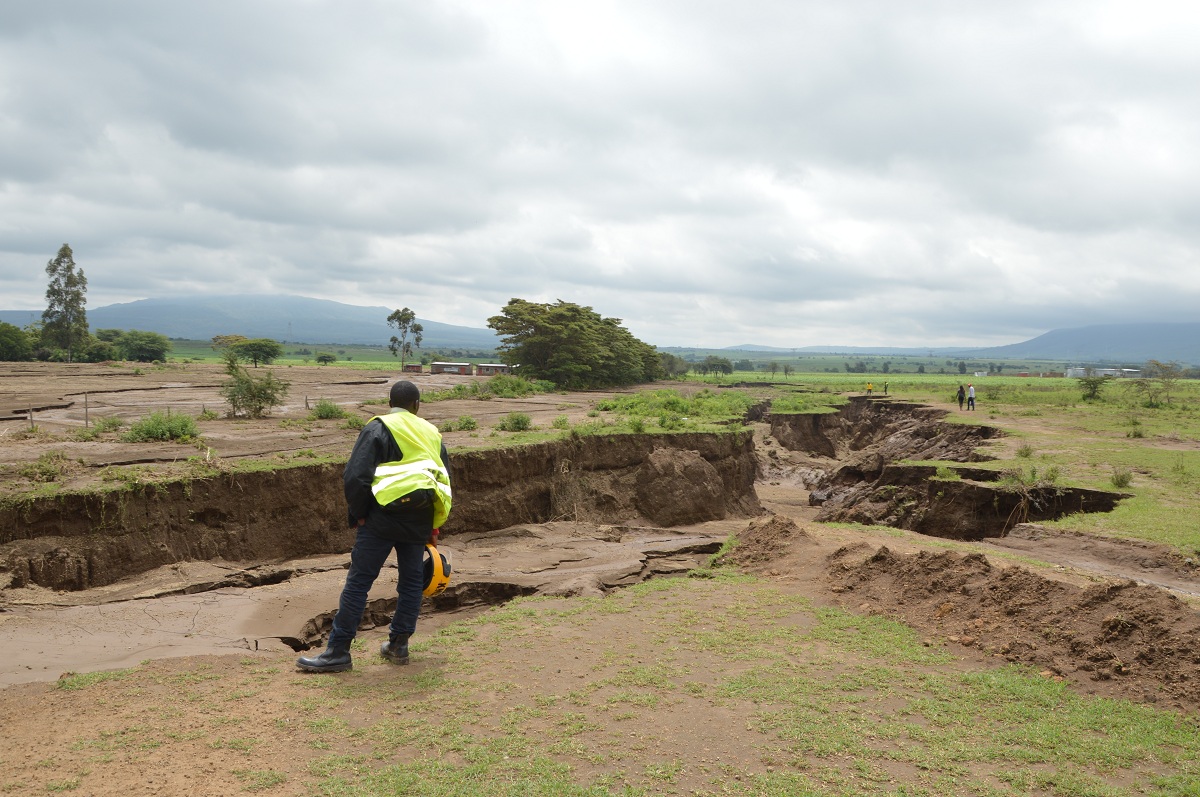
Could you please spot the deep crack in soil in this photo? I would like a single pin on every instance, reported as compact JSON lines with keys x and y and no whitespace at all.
{"x":585,"y":518}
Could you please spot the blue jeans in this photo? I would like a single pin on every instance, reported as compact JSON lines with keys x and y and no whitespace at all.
{"x":366,"y":560}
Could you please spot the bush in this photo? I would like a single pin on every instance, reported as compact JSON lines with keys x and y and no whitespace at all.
{"x":354,"y":422}
{"x":1121,"y":478}
{"x":669,"y":420}
{"x":562,"y":422}
{"x":326,"y":410}
{"x":253,"y":396}
{"x":160,"y":426}
{"x":1025,"y":451}
{"x":463,"y":423}
{"x":515,"y":422}
{"x":508,"y":386}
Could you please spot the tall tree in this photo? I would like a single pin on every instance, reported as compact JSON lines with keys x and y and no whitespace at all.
{"x":64,"y":321}
{"x":256,"y":350}
{"x":405,"y":323}
{"x":572,"y":346}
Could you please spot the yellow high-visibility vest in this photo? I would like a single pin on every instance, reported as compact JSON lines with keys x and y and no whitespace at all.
{"x":420,"y":466}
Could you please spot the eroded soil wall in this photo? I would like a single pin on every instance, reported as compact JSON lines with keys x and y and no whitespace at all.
{"x":76,"y":541}
{"x":862,"y":482}
{"x":891,"y":430}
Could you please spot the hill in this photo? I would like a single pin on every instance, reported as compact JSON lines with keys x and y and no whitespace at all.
{"x":1101,"y":343}
{"x":287,"y":318}
{"x":1110,"y":343}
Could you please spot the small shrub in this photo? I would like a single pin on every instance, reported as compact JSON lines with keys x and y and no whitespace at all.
{"x":508,"y":386}
{"x":108,"y":423}
{"x":1121,"y":478}
{"x":160,"y":426}
{"x":207,"y":415}
{"x":947,"y":474}
{"x":250,"y":395}
{"x":562,"y":422}
{"x":326,"y":410}
{"x":50,"y":466}
{"x":1025,"y":451}
{"x":354,"y":422}
{"x":637,"y":425}
{"x":463,"y":423}
{"x":669,"y":420}
{"x":515,"y":422}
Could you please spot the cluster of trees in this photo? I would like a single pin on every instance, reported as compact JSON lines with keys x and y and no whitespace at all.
{"x":713,"y":365}
{"x":62,"y":335}
{"x":572,"y":346}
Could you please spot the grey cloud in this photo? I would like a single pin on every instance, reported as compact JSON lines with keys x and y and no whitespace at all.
{"x":764,"y":172}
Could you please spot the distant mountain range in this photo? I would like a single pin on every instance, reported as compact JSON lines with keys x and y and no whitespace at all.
{"x":298,"y":319}
{"x":1102,"y":343}
{"x":295,"y":319}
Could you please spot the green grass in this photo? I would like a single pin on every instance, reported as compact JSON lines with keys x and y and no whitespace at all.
{"x":714,"y":685}
{"x":835,"y":704}
{"x":76,"y":681}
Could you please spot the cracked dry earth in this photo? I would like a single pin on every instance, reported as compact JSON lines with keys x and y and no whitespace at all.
{"x":1109,"y":618}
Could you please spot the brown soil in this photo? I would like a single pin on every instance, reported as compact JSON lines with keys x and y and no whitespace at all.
{"x":1109,"y":618}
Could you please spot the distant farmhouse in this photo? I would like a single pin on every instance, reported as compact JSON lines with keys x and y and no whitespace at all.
{"x":451,"y":368}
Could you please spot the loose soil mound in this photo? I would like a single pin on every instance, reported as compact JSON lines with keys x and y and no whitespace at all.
{"x":764,"y":542}
{"x":1120,"y":639}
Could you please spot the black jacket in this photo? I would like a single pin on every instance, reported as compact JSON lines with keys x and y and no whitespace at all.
{"x":410,"y":523}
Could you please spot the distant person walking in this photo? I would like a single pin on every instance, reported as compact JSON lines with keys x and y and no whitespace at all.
{"x":962,"y":396}
{"x":397,"y":488}
{"x":970,"y":396}
{"x":870,"y":387}
{"x":885,"y":386}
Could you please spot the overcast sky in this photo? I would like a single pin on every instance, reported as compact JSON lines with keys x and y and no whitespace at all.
{"x":785,"y":173}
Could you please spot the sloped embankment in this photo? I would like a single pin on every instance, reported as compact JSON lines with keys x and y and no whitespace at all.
{"x":863,"y":482}
{"x":1140,"y":640}
{"x":76,"y":541}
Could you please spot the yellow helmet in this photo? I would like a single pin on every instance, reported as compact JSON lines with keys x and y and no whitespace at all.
{"x":437,"y":572}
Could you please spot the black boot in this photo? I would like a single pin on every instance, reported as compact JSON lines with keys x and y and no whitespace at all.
{"x":395,"y":650}
{"x":334,"y":659}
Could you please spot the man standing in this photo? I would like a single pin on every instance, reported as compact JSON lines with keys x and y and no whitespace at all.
{"x":970,"y":396}
{"x":397,"y":487}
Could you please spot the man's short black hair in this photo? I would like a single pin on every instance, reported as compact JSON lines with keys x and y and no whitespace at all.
{"x":404,"y":394}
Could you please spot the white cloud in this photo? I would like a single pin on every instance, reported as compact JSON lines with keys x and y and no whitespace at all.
{"x":784,"y":173}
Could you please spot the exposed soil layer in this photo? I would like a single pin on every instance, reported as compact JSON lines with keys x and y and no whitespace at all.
{"x":74,"y":541}
{"x":909,"y":497}
{"x":1140,"y":642}
{"x":216,"y":564}
{"x":863,"y":484}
